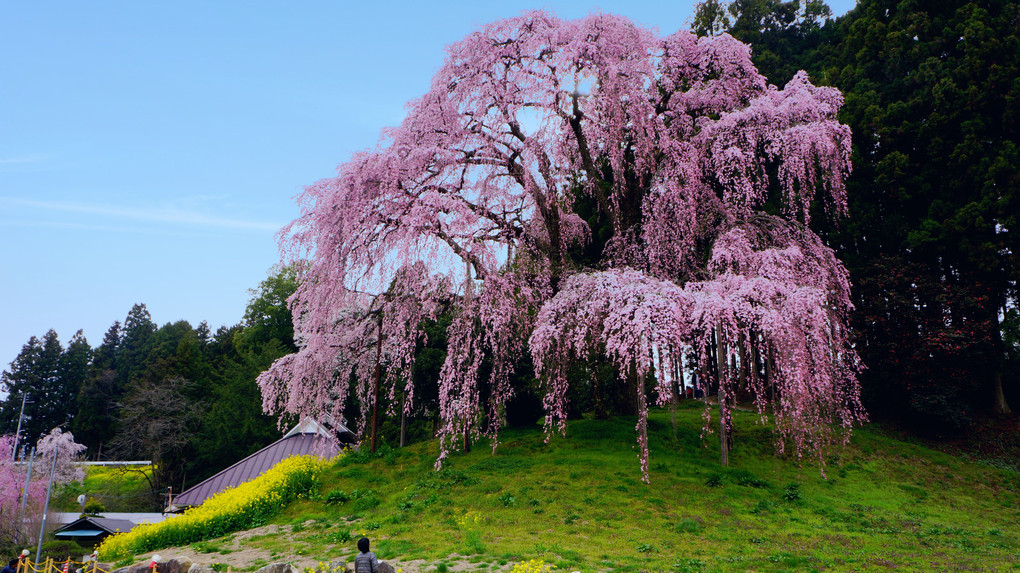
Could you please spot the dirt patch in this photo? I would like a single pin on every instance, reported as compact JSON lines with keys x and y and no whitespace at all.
{"x":237,"y":553}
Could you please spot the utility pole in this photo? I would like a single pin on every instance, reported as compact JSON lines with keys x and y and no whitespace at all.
{"x":17,"y":433}
{"x":28,"y":479}
{"x":46,"y":507}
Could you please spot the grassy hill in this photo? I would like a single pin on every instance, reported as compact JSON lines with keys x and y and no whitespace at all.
{"x":579,"y":503}
{"x":115,"y":489}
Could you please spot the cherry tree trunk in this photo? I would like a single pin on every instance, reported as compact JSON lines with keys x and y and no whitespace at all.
{"x":375,"y":390}
{"x":403,"y":421}
{"x":724,"y":430}
{"x":1001,"y":406}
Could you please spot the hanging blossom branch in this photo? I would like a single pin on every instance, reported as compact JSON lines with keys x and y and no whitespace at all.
{"x":340,"y":350}
{"x":628,"y":316}
{"x":494,"y":323}
{"x":677,"y":142}
{"x":777,"y":292}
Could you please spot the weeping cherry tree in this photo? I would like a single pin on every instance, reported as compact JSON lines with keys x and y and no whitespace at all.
{"x":705,"y":176}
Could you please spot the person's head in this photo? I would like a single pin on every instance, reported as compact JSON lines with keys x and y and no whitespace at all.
{"x":13,"y":564}
{"x":363,"y":545}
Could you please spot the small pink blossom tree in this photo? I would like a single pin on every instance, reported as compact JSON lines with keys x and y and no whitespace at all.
{"x":20,"y":508}
{"x":62,"y":445}
{"x":12,"y":487}
{"x":705,"y":175}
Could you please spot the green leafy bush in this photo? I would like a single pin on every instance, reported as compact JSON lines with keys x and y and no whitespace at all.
{"x":791,"y":492}
{"x":60,"y":549}
{"x":688,"y":525}
{"x":336,"y":497}
{"x":93,"y":507}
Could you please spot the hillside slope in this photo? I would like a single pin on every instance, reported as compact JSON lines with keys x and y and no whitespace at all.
{"x":579,"y":502}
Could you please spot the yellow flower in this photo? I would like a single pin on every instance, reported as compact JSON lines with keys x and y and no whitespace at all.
{"x":251,"y":500}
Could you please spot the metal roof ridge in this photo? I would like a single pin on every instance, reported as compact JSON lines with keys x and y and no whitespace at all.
{"x":321,"y":433}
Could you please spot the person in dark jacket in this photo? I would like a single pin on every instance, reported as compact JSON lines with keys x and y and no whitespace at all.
{"x":366,"y":561}
{"x":12,"y":567}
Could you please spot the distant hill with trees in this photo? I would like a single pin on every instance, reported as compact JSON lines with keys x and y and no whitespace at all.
{"x":181,"y":396}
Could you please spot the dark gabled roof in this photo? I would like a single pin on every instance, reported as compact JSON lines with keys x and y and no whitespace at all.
{"x":303,"y":440}
{"x":89,"y":526}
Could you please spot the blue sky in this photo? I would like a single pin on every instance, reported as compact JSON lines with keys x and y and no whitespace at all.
{"x":150,"y":151}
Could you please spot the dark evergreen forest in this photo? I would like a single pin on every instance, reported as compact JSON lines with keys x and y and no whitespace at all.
{"x":180,"y":396}
{"x":932,"y":94}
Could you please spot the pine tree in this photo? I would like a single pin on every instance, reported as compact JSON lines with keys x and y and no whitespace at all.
{"x":36,"y":372}
{"x":95,"y":422}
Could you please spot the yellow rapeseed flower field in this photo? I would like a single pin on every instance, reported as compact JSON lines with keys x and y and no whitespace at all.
{"x":248,"y":505}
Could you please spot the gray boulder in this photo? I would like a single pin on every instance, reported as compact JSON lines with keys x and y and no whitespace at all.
{"x":180,"y":565}
{"x":278,"y":568}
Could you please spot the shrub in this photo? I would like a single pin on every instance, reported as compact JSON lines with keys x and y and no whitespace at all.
{"x":764,"y":506}
{"x":336,"y":497}
{"x":60,"y":549}
{"x":791,"y":492}
{"x":342,"y":536}
{"x":93,"y":507}
{"x":688,"y":525}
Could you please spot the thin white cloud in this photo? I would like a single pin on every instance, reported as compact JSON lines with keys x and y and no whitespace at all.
{"x":22,"y":159}
{"x":134,"y":230}
{"x":169,"y":215}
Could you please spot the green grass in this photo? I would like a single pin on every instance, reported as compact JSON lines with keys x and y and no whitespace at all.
{"x":117,"y":489}
{"x":579,"y":502}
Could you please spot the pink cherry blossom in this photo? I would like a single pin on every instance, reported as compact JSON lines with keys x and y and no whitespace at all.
{"x":702,"y":171}
{"x":20,"y":508}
